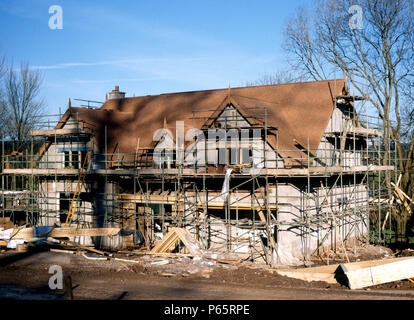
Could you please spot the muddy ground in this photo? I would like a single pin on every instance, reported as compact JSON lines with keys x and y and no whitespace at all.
{"x":26,"y":276}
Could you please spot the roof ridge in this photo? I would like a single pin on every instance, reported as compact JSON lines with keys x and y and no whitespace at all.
{"x":226,"y":89}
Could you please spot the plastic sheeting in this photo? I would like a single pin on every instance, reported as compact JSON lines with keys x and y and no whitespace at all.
{"x":5,"y":234}
{"x":226,"y":187}
{"x":138,"y":237}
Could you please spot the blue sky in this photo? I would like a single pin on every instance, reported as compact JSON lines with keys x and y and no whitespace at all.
{"x":145,"y":47}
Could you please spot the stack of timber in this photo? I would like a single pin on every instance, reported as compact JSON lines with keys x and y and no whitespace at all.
{"x":171,"y":240}
{"x":28,"y":233}
{"x":179,"y":235}
{"x":6,"y":223}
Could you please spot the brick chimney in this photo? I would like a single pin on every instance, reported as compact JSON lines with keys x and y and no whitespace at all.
{"x":116,"y":94}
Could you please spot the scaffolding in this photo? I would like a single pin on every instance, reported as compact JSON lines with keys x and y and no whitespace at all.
{"x":298,"y":198}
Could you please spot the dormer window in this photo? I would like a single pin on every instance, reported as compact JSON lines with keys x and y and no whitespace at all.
{"x":73,"y":159}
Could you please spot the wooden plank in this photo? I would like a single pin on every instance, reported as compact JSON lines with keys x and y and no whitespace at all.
{"x":371,"y":263}
{"x":27,"y":233}
{"x":78,"y":190}
{"x":4,"y":220}
{"x":171,"y":244}
{"x":152,"y":171}
{"x":385,"y":220}
{"x":358,"y":131}
{"x":22,"y":247}
{"x":162,"y":246}
{"x":58,"y":132}
{"x":59,"y":172}
{"x":343,"y":138}
{"x":323,"y":170}
{"x":336,"y":169}
{"x":402,"y":198}
{"x":160,"y":254}
{"x":16,"y":231}
{"x":366,"y":131}
{"x":324,"y":273}
{"x":263,"y":218}
{"x":94,"y":258}
{"x":166,"y":246}
{"x":84,"y":247}
{"x":406,"y":196}
{"x":91,"y":232}
{"x":360,"y":277}
{"x":126,"y":260}
{"x":165,"y":243}
{"x":7,"y":225}
{"x":191,"y":172}
{"x":151,"y":198}
{"x":172,"y":237}
{"x":391,"y":201}
{"x":63,"y":251}
{"x":189,"y":242}
{"x":329,"y":273}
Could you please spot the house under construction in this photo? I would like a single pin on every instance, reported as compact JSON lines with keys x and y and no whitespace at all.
{"x":273,"y":173}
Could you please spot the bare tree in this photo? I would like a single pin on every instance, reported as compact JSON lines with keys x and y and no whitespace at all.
{"x":377,"y":57}
{"x":2,"y":104}
{"x":407,"y":118}
{"x":21,"y":103}
{"x":278,"y":77}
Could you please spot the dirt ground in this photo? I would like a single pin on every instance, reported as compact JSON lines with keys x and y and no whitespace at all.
{"x":26,"y":276}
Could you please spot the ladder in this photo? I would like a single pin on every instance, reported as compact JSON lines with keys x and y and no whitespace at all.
{"x":78,"y":189}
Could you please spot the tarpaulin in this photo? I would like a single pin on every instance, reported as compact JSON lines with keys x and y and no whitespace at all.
{"x":41,"y":231}
{"x":138,"y":237}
